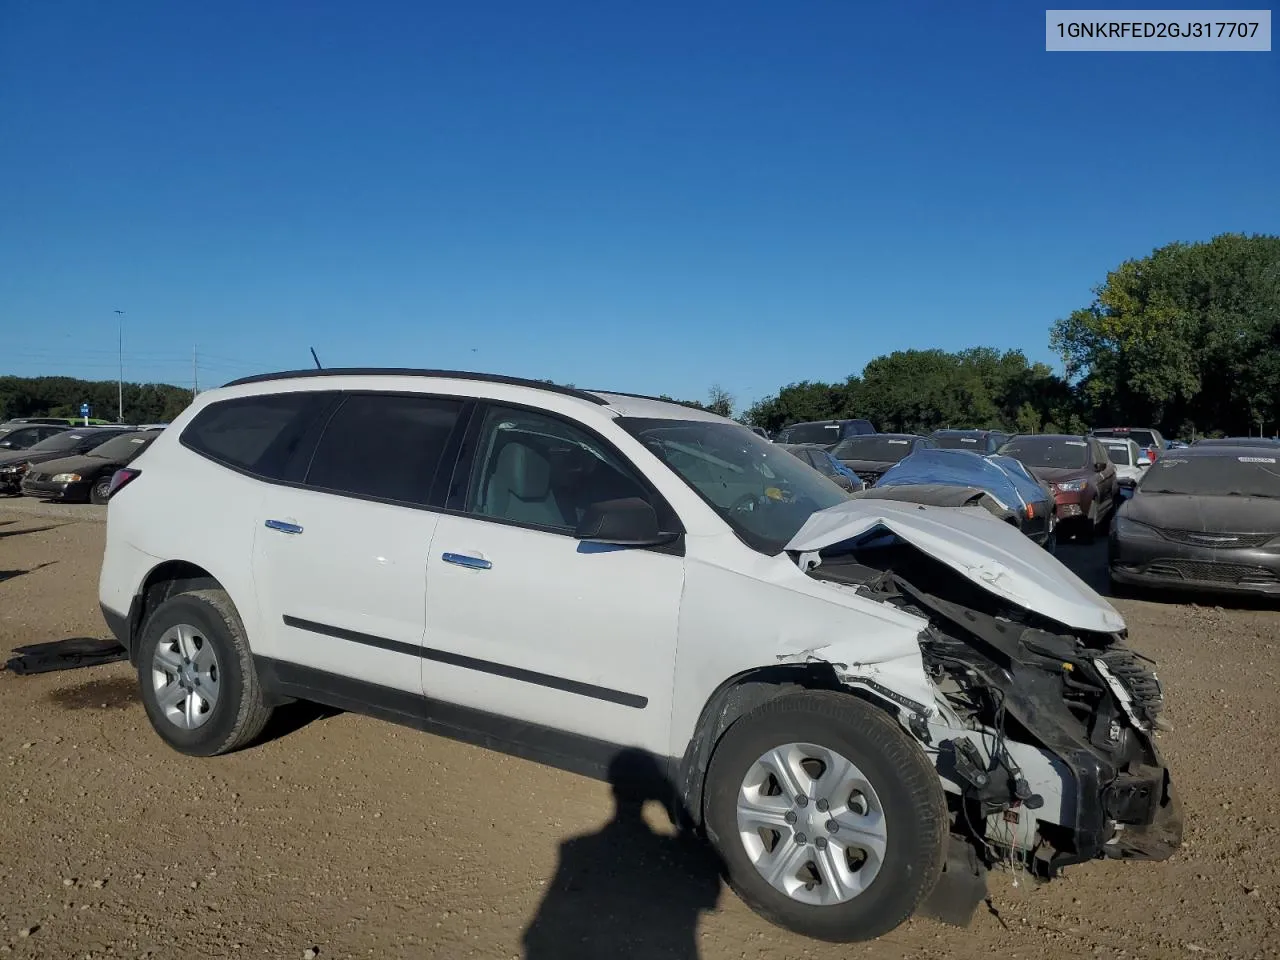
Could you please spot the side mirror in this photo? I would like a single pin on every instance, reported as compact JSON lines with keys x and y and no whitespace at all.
{"x":629,"y":522}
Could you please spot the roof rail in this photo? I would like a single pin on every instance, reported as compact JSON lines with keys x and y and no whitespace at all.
{"x":413,"y":372}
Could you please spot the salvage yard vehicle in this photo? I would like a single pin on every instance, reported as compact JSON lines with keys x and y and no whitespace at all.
{"x":964,"y":478}
{"x":870,"y":456}
{"x":1131,"y":464}
{"x":1148,"y":439}
{"x":1083,"y":478}
{"x":1205,"y":518}
{"x":825,"y":432}
{"x":980,"y":441}
{"x":22,"y":436}
{"x":822,"y":460}
{"x":846,"y":695}
{"x":86,"y":477}
{"x":66,"y":443}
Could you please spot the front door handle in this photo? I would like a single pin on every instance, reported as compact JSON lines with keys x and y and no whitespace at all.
{"x":283,"y":526}
{"x":466,"y":560}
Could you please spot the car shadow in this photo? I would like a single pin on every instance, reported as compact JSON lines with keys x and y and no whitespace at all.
{"x":14,"y":574}
{"x":626,"y":890}
{"x":292,"y":717}
{"x":19,"y":533}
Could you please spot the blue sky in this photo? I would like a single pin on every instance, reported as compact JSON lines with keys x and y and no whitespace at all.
{"x":650,"y":196}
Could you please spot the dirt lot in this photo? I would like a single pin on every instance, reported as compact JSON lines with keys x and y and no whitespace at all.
{"x":360,"y":838}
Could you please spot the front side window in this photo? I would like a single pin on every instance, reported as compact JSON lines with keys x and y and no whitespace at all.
{"x":384,"y":446}
{"x":764,"y":493}
{"x":539,"y":470}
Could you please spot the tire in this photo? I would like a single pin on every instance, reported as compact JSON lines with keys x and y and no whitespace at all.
{"x":98,"y":492}
{"x":238,"y":713}
{"x":907,"y":794}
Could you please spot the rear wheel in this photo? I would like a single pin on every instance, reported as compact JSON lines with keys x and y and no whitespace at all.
{"x":196,"y":675}
{"x":830,"y":820}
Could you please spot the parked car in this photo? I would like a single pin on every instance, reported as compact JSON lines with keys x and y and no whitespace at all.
{"x":65,"y":443}
{"x":980,"y":441}
{"x":1147,"y":438}
{"x":821,"y":459}
{"x":1082,"y":475}
{"x":22,"y":436}
{"x":1207,"y":518}
{"x":1130,"y":462}
{"x":1236,"y":442}
{"x":822,"y":682}
{"x":827,"y":433}
{"x":86,"y":477}
{"x":870,"y":456}
{"x":965,"y":478}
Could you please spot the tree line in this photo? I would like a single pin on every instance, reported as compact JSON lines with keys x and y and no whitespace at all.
{"x":62,"y":396}
{"x":1186,"y":340}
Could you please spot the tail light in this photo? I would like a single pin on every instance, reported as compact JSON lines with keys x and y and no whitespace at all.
{"x":120,"y":479}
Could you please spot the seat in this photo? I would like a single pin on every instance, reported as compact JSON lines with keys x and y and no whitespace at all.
{"x":519,"y":488}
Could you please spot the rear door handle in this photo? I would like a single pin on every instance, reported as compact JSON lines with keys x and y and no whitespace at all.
{"x":283,"y":526}
{"x":466,"y":560}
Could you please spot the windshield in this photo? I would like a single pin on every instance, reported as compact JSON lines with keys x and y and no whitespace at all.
{"x":1066,"y":453}
{"x":823,"y":433}
{"x":69,"y":440}
{"x":1243,"y":475}
{"x":1119,"y":455}
{"x":124,"y":447}
{"x":763,"y":492}
{"x":959,"y":441}
{"x":877,"y":449}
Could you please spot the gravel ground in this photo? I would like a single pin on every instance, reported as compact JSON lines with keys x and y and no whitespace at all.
{"x":355,"y":838}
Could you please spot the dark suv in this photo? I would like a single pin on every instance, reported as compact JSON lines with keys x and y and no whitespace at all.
{"x":825,"y":433}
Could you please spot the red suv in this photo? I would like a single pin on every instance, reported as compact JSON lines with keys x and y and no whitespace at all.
{"x":1082,"y":477}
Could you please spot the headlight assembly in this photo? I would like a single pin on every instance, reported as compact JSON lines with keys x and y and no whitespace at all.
{"x":66,"y":478}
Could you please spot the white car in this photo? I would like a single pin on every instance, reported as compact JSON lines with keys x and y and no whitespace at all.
{"x":842,"y":696}
{"x":1131,"y":463}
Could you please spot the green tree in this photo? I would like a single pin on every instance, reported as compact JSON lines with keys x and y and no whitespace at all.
{"x":720,"y":401}
{"x":1188,"y":334}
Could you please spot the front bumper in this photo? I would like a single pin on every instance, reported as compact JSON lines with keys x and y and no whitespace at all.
{"x":11,"y":483}
{"x":1072,"y":506}
{"x":48,"y":490}
{"x":1149,"y":559}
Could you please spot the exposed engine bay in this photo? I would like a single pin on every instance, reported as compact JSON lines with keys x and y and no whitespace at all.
{"x":1042,"y":734}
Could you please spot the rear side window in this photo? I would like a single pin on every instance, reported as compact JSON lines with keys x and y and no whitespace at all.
{"x":259,"y":435}
{"x":384,"y":446}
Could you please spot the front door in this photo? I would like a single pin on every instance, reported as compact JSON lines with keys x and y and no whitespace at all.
{"x":340,"y":563}
{"x":526,"y":621}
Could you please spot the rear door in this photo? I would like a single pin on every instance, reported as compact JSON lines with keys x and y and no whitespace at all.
{"x":340,"y":559}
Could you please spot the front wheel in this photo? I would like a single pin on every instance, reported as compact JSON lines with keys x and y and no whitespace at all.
{"x":100,"y":490}
{"x":831,"y":822}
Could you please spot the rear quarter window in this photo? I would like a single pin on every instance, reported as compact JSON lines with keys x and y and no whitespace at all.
{"x":261,"y":435}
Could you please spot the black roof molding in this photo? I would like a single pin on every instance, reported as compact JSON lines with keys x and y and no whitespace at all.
{"x":413,"y":372}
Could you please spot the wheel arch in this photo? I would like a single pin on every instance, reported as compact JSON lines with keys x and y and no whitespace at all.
{"x":162,"y":582}
{"x":737,"y":696}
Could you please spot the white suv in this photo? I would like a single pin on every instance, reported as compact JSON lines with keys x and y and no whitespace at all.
{"x":861,"y":704}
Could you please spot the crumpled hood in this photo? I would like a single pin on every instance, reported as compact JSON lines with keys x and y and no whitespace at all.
{"x":989,"y":552}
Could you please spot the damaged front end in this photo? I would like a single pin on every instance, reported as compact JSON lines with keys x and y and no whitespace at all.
{"x":1042,"y":731}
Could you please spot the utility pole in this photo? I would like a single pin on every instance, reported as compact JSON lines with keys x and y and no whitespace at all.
{"x":195,"y":375}
{"x":120,"y":354}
